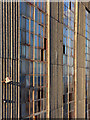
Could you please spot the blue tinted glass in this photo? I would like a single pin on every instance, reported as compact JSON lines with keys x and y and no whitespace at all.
{"x":64,"y":41}
{"x":23,"y":7}
{"x":31,"y":81}
{"x":39,"y":41}
{"x":42,"y":18}
{"x":31,"y":52}
{"x":35,"y":40}
{"x":23,"y":23}
{"x":27,"y":81}
{"x":38,"y":68}
{"x":35,"y":28}
{"x":32,"y":11}
{"x":20,"y":35}
{"x":36,"y":14}
{"x":39,"y":29}
{"x":35,"y":68}
{"x":35,"y":82}
{"x":20,"y":21}
{"x":65,"y":31}
{"x":35,"y":53}
{"x":31,"y":41}
{"x":42,"y":5}
{"x":23,"y":37}
{"x":27,"y":52}
{"x":31,"y":25}
{"x":39,"y":16}
{"x":31,"y":67}
{"x":27,"y":67}
{"x":39,"y":4}
{"x":28,"y":10}
{"x":42,"y":31}
{"x":36,"y":3}
{"x":27,"y":24}
{"x":41,"y":68}
{"x":65,"y":8}
{"x":23,"y":67}
{"x":38,"y":54}
{"x":27,"y":37}
{"x":23,"y":50}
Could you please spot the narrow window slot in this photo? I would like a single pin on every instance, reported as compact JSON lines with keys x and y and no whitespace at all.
{"x":42,"y":55}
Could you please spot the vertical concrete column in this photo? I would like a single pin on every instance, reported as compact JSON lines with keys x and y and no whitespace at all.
{"x":75,"y":61}
{"x":81,"y":63}
{"x":56,"y":59}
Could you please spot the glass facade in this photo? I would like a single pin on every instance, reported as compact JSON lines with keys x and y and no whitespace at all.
{"x":87,"y":53}
{"x":33,"y":55}
{"x":68,"y":60}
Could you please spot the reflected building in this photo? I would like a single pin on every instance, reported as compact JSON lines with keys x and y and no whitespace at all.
{"x":44,"y":52}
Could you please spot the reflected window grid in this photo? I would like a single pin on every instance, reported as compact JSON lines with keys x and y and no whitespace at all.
{"x":33,"y":61}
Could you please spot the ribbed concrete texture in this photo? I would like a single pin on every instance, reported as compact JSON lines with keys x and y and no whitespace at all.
{"x":56,"y":61}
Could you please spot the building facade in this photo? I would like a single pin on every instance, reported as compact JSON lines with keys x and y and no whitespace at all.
{"x":44,"y":50}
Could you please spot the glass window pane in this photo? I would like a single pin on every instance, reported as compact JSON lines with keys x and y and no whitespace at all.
{"x":32,"y":25}
{"x":27,"y":81}
{"x":35,"y":68}
{"x":39,"y":41}
{"x":42,"y":81}
{"x":36,"y":53}
{"x":23,"y":8}
{"x":28,"y":10}
{"x":39,"y":29}
{"x":23,"y":67}
{"x":27,"y":24}
{"x":41,"y":68}
{"x":23,"y":23}
{"x":27,"y":37}
{"x":31,"y":52}
{"x":39,"y":54}
{"x":23,"y":37}
{"x":31,"y":41}
{"x":38,"y":80}
{"x":32,"y":11}
{"x":23,"y":51}
{"x":35,"y":40}
{"x":35,"y":28}
{"x":31,"y":67}
{"x":22,"y":79}
{"x":27,"y":67}
{"x":36,"y":14}
{"x":35,"y":81}
{"x":42,"y":31}
{"x":38,"y":68}
{"x":31,"y":81}
{"x":27,"y":52}
{"x":42,"y":18}
{"x":31,"y":108}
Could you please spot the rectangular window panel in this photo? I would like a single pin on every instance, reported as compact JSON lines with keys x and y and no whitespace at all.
{"x":32,"y":24}
{"x":31,"y":40}
{"x":27,"y":24}
{"x":27,"y":37}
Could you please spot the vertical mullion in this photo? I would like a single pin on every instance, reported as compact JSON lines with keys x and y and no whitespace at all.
{"x":11,"y":57}
{"x":16,"y":65}
{"x":5,"y":52}
{"x":2,"y":56}
{"x":33,"y":57}
{"x":6,"y":59}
